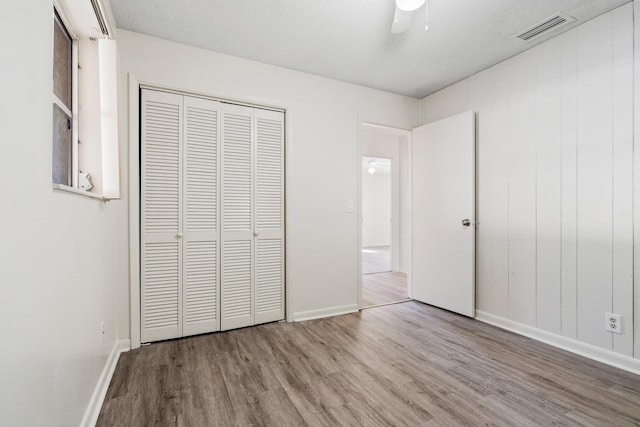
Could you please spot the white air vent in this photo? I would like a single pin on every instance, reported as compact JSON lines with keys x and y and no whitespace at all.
{"x":100,"y":16}
{"x":552,"y":23}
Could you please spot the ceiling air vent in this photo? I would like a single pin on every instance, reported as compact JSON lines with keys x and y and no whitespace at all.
{"x":102,"y":22}
{"x":552,"y":23}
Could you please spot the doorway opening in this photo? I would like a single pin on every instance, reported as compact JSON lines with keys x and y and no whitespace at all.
{"x":376,"y":215}
{"x":385,"y":215}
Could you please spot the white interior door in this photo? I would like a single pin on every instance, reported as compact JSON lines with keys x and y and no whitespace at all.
{"x":200,"y":206}
{"x":237,"y":300}
{"x":161,"y":216}
{"x":443,"y":164}
{"x":269,"y":216}
{"x":212,"y":216}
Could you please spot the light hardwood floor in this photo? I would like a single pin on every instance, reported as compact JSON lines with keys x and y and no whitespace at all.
{"x":403,"y":364}
{"x":383,"y":288}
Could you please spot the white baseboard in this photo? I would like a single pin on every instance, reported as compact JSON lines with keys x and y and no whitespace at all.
{"x":324,"y":312}
{"x":587,"y":350}
{"x":97,"y":399}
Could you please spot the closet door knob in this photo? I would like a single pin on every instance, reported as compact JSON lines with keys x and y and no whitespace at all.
{"x":179,"y":235}
{"x":255,"y":234}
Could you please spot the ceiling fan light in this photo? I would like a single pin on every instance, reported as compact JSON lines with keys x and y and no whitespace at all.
{"x":409,"y":5}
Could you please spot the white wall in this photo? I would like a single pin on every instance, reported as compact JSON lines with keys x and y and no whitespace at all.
{"x":555,"y":154}
{"x":59,"y":258}
{"x":323,"y":119}
{"x":376,"y":207}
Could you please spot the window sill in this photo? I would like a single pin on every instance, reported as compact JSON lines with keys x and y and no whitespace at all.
{"x":79,"y":192}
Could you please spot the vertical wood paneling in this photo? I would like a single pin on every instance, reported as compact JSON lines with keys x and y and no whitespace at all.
{"x":569,"y":186}
{"x":594,"y":166}
{"x":622,"y":27}
{"x":488,"y":91}
{"x":522,"y":190}
{"x":549,"y":164}
{"x":566,"y":194}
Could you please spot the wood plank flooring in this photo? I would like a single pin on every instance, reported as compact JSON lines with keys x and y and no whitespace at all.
{"x":383,"y":288}
{"x":403,"y":364}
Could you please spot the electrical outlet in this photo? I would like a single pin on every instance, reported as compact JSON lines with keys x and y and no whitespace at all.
{"x":613,"y":323}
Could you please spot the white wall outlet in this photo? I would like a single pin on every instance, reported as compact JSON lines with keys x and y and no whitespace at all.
{"x":613,"y":323}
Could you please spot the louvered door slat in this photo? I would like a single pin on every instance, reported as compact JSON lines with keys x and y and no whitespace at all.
{"x":237,"y":134}
{"x":161,"y":299}
{"x":201,"y":145}
{"x":237,"y":228}
{"x":269,"y":216}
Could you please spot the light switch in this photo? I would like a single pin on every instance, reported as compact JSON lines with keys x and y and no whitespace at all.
{"x":350,"y":207}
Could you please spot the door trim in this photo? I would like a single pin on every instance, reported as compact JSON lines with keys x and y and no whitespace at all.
{"x":135,"y":83}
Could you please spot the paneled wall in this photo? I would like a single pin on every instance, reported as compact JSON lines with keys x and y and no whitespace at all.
{"x":555,"y":181}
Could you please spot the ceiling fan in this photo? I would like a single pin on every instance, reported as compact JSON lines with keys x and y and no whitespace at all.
{"x":404,"y":14}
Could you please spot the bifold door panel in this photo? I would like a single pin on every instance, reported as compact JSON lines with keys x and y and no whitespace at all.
{"x":161,"y":215}
{"x":200,"y":206}
{"x":212,"y":215}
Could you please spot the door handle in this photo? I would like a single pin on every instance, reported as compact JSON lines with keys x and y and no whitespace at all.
{"x":255,"y":234}
{"x":179,"y":235}
{"x":466,"y":222}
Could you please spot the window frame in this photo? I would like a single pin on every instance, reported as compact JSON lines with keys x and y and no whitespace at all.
{"x":60,"y":15}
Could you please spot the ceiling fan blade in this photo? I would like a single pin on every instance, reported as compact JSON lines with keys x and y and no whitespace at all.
{"x":401,"y":21}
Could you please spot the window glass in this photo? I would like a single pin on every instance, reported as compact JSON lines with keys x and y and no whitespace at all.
{"x":62,"y":60}
{"x":61,"y":147}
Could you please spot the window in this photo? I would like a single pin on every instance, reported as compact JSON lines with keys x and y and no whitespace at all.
{"x":64,"y":88}
{"x":85,"y":104}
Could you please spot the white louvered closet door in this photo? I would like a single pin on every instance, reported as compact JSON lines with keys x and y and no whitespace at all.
{"x":212,"y":216}
{"x":200,"y":241}
{"x":269,"y":216}
{"x":237,"y":229}
{"x":161,"y":182}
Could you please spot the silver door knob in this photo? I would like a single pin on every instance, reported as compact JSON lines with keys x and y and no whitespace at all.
{"x":179,"y":235}
{"x":255,"y":234}
{"x":466,"y":222}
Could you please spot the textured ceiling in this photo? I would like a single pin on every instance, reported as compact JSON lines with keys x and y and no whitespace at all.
{"x":350,"y":40}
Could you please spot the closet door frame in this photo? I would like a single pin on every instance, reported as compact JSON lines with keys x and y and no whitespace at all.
{"x":135,"y":84}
